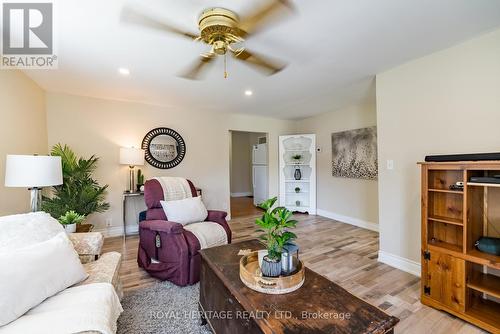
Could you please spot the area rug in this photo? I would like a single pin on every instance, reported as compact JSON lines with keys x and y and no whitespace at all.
{"x":163,"y":308}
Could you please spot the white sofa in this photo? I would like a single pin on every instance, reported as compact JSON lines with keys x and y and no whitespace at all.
{"x":72,"y":308}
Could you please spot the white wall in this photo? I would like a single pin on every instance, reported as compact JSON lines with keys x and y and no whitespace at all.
{"x":350,"y":200}
{"x":447,"y":102}
{"x":23,"y":130}
{"x":101,"y":127}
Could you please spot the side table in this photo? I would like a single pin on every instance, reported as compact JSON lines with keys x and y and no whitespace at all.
{"x":126,"y":196}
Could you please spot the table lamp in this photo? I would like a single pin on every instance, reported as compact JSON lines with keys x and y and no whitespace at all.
{"x":33,"y":172}
{"x":132,"y":157}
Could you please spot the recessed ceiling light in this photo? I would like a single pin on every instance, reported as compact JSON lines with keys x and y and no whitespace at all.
{"x":248,"y":92}
{"x":124,"y":71}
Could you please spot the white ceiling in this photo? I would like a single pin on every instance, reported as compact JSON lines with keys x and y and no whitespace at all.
{"x":334,"y":47}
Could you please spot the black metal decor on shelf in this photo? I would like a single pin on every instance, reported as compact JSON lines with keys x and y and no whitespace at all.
{"x":298,"y":174}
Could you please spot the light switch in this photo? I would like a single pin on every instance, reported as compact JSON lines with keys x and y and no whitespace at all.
{"x":390,"y":164}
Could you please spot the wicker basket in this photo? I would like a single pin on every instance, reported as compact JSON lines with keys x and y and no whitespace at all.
{"x":251,"y":276}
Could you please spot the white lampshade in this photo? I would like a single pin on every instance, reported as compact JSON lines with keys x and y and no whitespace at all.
{"x":131,"y":156}
{"x":30,"y":171}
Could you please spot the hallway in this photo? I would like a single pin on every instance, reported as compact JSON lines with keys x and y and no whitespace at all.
{"x":243,"y":206}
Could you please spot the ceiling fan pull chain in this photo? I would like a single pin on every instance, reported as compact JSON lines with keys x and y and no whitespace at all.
{"x":225,"y":66}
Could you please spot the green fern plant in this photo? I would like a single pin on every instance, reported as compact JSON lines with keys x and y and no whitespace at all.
{"x":79,"y":192}
{"x":275,"y":224}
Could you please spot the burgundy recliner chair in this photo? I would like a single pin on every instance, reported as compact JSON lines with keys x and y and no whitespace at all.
{"x":174,"y":249}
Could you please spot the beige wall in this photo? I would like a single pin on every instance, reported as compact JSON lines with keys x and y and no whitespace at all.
{"x":101,"y":127}
{"x":349,"y":200}
{"x":23,"y":131}
{"x":447,"y":102}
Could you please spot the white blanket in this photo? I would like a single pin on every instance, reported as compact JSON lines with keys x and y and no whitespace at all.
{"x":209,"y":234}
{"x":174,"y":188}
{"x":92,"y":307}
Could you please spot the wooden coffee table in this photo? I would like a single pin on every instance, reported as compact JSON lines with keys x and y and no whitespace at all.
{"x":319,"y":306}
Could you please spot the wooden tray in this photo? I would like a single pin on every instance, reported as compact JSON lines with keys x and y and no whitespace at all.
{"x":251,"y":276}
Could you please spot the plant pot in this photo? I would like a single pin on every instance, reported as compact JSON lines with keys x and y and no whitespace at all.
{"x":260,"y":257}
{"x":270,"y":268}
{"x":70,"y":228}
{"x":84,"y":228}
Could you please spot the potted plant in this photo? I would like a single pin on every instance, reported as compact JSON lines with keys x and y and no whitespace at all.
{"x":274,"y":224}
{"x":140,"y":180}
{"x":70,"y":219}
{"x":297,"y":189}
{"x":80,"y":192}
{"x":297,"y":157}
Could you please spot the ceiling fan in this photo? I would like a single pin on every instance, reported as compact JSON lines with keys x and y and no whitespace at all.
{"x":222,"y":29}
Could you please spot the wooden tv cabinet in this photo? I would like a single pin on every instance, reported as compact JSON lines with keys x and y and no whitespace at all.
{"x":456,"y":277}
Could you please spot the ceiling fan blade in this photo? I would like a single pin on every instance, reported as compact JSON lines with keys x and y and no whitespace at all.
{"x":260,"y":62}
{"x":129,"y":15}
{"x":194,"y":73}
{"x":258,"y":19}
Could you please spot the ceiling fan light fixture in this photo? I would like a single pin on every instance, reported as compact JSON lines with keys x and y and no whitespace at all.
{"x":222,"y":30}
{"x":124,"y":71}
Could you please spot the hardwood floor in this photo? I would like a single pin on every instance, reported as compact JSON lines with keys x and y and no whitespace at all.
{"x":346,"y":255}
{"x":243,"y":206}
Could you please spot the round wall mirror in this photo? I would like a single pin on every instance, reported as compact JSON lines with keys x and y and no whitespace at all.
{"x":164,"y":148}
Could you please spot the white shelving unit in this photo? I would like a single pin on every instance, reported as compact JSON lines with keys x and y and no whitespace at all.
{"x":303,"y":200}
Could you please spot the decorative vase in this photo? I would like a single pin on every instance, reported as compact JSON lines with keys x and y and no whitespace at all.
{"x":270,"y":268}
{"x":297,"y":175}
{"x":297,"y":203}
{"x":70,"y":228}
{"x":297,"y":190}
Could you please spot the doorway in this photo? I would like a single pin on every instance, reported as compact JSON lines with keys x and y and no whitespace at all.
{"x":248,"y":166}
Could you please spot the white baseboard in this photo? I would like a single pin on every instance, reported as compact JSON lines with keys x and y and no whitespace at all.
{"x":399,"y":262}
{"x":117,"y":231}
{"x":245,"y":194}
{"x":348,"y":220}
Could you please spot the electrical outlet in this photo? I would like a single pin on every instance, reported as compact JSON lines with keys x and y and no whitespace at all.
{"x":109,"y":222}
{"x":390,"y":164}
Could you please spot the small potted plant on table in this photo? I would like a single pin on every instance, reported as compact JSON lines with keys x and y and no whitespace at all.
{"x":70,"y":219}
{"x":296,"y":158}
{"x":140,"y":180}
{"x":274,"y":224}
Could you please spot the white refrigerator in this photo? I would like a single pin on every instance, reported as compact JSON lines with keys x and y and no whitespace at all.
{"x":259,"y":173}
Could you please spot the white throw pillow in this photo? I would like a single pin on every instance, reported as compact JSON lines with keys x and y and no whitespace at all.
{"x":22,"y":230}
{"x":30,"y":275}
{"x":185,"y":211}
